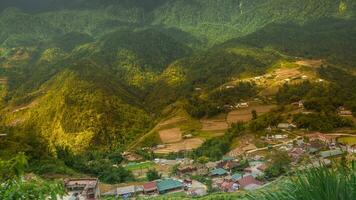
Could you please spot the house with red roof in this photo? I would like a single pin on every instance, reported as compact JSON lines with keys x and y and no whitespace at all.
{"x":150,"y":188}
{"x":248,"y":180}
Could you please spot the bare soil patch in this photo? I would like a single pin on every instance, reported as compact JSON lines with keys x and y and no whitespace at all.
{"x":283,"y":74}
{"x":214,"y":125}
{"x":244,"y":115}
{"x":3,"y":80}
{"x":310,"y":63}
{"x":170,"y":135}
{"x":184,"y":145}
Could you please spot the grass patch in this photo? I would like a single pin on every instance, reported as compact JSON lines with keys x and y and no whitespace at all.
{"x":347,"y":140}
{"x":139,"y":166}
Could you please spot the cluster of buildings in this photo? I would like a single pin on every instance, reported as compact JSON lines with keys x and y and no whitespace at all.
{"x":225,"y":176}
{"x":228,"y":174}
{"x":82,"y":189}
{"x":149,"y":189}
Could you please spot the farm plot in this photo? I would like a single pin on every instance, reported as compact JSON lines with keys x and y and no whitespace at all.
{"x":3,"y":81}
{"x":282,"y":74}
{"x":310,"y":63}
{"x":244,"y":115}
{"x":347,"y":140}
{"x":139,"y":166}
{"x":214,"y":125}
{"x":170,"y":135}
{"x":184,"y":145}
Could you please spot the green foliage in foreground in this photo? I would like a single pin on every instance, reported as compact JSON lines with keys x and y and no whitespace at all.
{"x":14,"y":187}
{"x":317,"y":184}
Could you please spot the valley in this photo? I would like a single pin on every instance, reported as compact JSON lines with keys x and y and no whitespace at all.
{"x":175,"y":99}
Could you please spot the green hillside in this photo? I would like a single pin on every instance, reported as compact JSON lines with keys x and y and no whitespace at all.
{"x":95,"y":76}
{"x":221,"y":20}
{"x":81,"y":107}
{"x":331,"y":39}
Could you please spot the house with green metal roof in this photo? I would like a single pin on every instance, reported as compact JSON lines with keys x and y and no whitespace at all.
{"x":227,"y":158}
{"x":235,"y":177}
{"x":331,"y":153}
{"x":218,"y":172}
{"x":168,"y":185}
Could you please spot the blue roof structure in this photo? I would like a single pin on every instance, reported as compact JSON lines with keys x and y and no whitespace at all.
{"x":218,"y":172}
{"x":168,"y":184}
{"x":236,"y":176}
{"x":331,"y":153}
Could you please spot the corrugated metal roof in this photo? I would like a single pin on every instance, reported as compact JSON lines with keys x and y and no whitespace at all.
{"x":236,"y":176}
{"x":218,"y":171}
{"x":125,"y":190}
{"x":331,"y":153}
{"x":168,"y":184}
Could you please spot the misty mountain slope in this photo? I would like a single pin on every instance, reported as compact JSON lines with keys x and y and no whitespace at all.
{"x":331,"y":39}
{"x":211,"y":20}
{"x":220,"y":20}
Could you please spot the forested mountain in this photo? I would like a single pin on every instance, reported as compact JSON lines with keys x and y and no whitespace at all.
{"x":99,"y":74}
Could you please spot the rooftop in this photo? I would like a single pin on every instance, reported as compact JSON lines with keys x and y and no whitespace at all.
{"x":218,"y":171}
{"x":168,"y":184}
{"x":236,"y":176}
{"x":150,"y":186}
{"x":89,"y":182}
{"x":248,"y":180}
{"x":331,"y":153}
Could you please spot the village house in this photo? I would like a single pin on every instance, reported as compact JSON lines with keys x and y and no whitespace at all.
{"x":186,"y":169}
{"x":85,"y":188}
{"x":129,"y":156}
{"x":197,"y":192}
{"x":351,"y":149}
{"x":211,"y":165}
{"x":285,"y":126}
{"x":229,"y":186}
{"x":150,"y":188}
{"x":125,"y":192}
{"x":218,"y":172}
{"x":299,"y":104}
{"x":187,"y":183}
{"x":228,"y":164}
{"x":242,"y":105}
{"x":295,"y":154}
{"x":249,"y":183}
{"x":169,"y":185}
{"x":315,"y":146}
{"x":331,"y":153}
{"x":236,"y":176}
{"x":262,"y":167}
{"x":345,"y":113}
{"x":277,"y":137}
{"x":327,"y":139}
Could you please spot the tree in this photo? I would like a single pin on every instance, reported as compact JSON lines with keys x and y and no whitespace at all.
{"x":203,"y":159}
{"x":279,"y":163}
{"x":152,"y":175}
{"x":254,"y":114}
{"x":14,"y":187}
